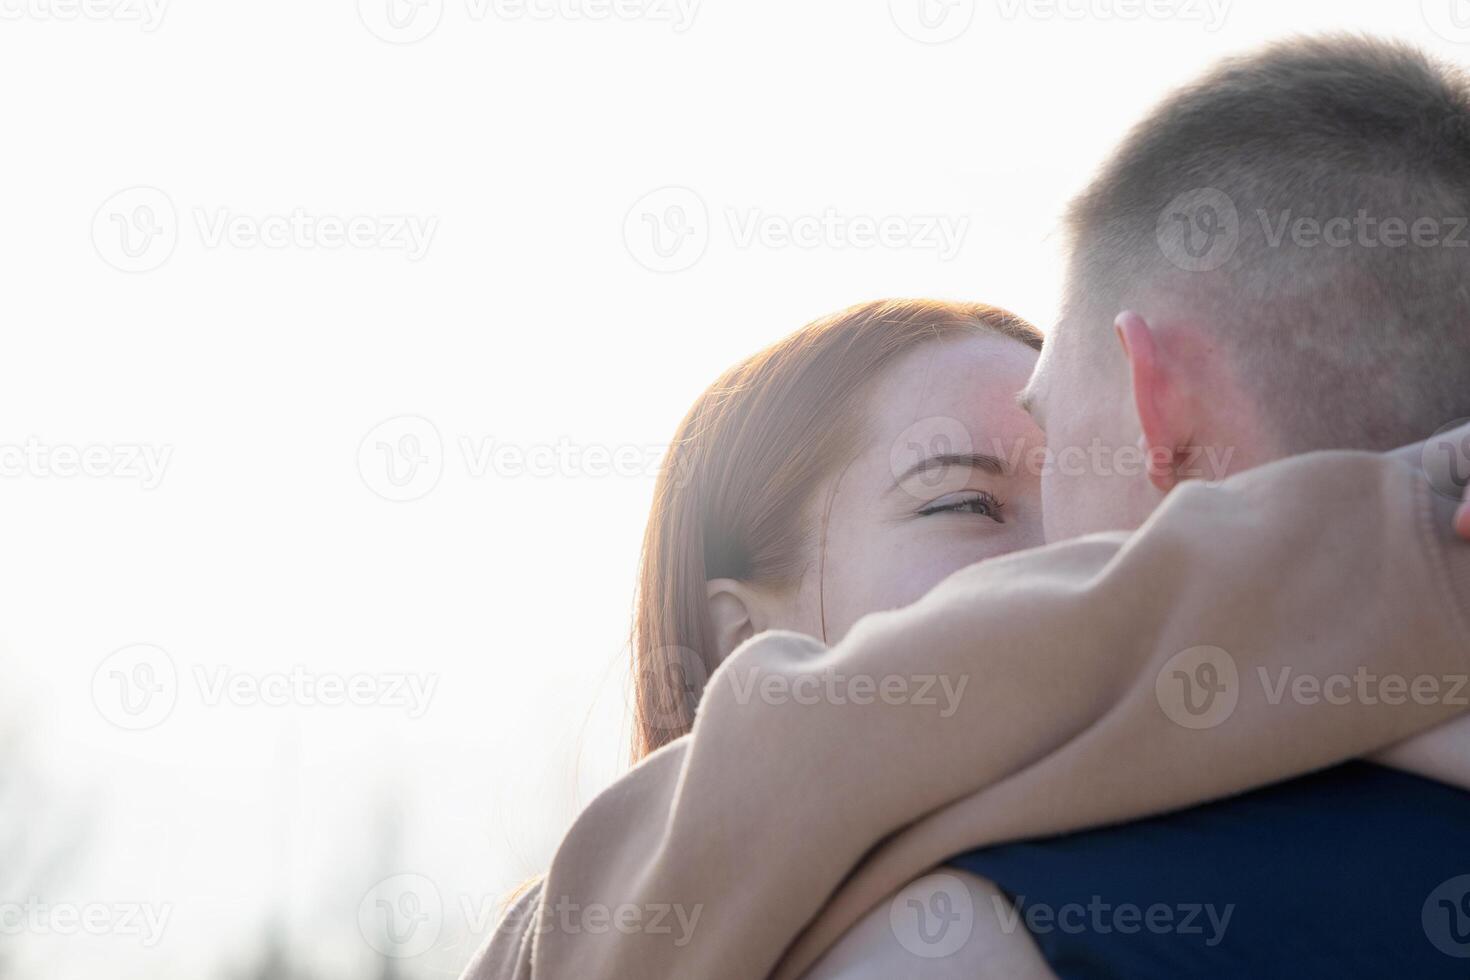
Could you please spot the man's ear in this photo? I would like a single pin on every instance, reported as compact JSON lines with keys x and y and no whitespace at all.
{"x":1164,"y":441}
{"x":736,"y":612}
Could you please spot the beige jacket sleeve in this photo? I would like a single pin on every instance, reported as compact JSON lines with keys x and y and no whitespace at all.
{"x":1249,"y":632}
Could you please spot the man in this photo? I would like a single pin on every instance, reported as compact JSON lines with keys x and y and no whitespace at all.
{"x":784,"y":824}
{"x":1288,"y":236}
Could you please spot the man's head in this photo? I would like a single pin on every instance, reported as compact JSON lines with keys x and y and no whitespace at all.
{"x":1276,"y":260}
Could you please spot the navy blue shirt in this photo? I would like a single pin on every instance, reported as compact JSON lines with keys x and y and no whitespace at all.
{"x":1357,"y":871}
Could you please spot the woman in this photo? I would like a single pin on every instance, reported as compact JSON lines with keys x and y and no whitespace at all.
{"x":845,"y":469}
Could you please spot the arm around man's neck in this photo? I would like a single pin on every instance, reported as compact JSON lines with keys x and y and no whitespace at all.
{"x":1217,"y":649}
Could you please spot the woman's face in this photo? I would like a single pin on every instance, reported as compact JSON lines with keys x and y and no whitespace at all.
{"x":945,"y":477}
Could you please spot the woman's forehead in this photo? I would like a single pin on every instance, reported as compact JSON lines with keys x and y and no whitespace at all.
{"x":973,"y":380}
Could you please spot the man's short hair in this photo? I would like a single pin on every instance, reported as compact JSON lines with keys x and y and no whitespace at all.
{"x":1310,"y":202}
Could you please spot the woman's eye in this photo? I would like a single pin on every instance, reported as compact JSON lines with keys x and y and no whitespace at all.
{"x":972,"y":502}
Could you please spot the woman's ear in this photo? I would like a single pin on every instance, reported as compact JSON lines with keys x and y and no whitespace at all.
{"x":736,"y":611}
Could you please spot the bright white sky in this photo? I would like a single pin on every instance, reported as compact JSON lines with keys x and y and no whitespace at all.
{"x":525,"y":313}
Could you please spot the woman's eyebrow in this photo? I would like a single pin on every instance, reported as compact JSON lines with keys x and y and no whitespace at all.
{"x":977,"y":461}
